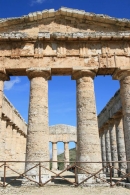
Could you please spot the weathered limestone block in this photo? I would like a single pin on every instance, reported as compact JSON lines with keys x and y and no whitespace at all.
{"x":88,"y":143}
{"x":54,"y":155}
{"x":120,"y":142}
{"x":66,"y":154}
{"x":38,"y":130}
{"x":114,"y":156}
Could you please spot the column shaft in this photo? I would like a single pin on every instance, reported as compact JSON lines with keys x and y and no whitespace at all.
{"x":66,"y":154}
{"x":54,"y":155}
{"x":88,"y":143}
{"x":125,"y":99}
{"x":107,"y":141}
{"x":114,"y":156}
{"x":38,"y":129}
{"x":103,"y":146}
{"x":120,"y":143}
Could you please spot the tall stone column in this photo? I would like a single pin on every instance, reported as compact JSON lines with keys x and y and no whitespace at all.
{"x":120,"y":142}
{"x":114,"y":156}
{"x":38,"y":129}
{"x":66,"y":154}
{"x":3,"y":77}
{"x":107,"y":143}
{"x":103,"y":146}
{"x":124,"y":77}
{"x":88,"y":143}
{"x":54,"y":155}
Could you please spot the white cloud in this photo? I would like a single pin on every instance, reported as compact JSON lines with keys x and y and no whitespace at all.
{"x":9,"y":84}
{"x":37,"y":2}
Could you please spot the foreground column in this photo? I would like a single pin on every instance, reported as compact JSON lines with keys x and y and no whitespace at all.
{"x":38,"y":131}
{"x":114,"y":156}
{"x":3,"y":77}
{"x":54,"y":155}
{"x":66,"y":154}
{"x":88,"y":143}
{"x":120,"y":143}
{"x":124,"y":77}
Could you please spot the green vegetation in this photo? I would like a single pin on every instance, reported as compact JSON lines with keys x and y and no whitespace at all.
{"x":72,"y":154}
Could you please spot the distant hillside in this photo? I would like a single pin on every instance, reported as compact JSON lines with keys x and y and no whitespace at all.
{"x":60,"y":157}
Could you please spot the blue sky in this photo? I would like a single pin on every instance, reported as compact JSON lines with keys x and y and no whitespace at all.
{"x":62,"y":90}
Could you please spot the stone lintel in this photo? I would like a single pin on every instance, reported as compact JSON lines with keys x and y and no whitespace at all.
{"x":39,"y":72}
{"x":111,"y":121}
{"x":78,"y":73}
{"x":118,"y":115}
{"x":3,"y":75}
{"x":121,"y":73}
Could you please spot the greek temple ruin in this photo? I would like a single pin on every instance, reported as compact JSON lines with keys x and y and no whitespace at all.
{"x":68,"y":42}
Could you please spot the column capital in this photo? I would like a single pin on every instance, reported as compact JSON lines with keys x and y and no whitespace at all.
{"x":121,"y":74}
{"x":3,"y":75}
{"x":39,"y":72}
{"x":77,"y":73}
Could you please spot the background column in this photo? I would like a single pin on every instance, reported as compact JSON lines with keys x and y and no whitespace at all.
{"x":103,"y":146}
{"x":107,"y":143}
{"x":54,"y":155}
{"x":114,"y":156}
{"x":120,"y":143}
{"x":66,"y":154}
{"x":38,"y":130}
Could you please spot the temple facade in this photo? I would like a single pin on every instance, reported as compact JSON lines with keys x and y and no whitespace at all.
{"x":66,"y":42}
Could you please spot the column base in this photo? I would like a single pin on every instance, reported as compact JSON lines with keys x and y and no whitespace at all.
{"x":92,"y":180}
{"x":35,"y":178}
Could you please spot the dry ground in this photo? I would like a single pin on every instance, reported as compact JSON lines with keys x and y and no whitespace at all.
{"x":64,"y":190}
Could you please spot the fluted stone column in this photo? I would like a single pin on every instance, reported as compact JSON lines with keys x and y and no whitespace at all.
{"x":88,"y":143}
{"x":66,"y":154}
{"x":3,"y":77}
{"x":38,"y":129}
{"x":8,"y":141}
{"x":103,"y":146}
{"x":54,"y":155}
{"x":107,"y":143}
{"x":114,"y":156}
{"x":120,"y":142}
{"x":124,"y":77}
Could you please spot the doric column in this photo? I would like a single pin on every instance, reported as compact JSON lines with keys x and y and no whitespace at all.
{"x":107,"y":142}
{"x":54,"y":155}
{"x":3,"y":77}
{"x":8,"y":141}
{"x":38,"y":130}
{"x":114,"y":156}
{"x":66,"y":154}
{"x":124,"y":77}
{"x":103,"y":146}
{"x":88,"y":143}
{"x":120,"y":142}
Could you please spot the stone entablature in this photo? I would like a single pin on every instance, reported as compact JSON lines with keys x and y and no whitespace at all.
{"x":13,"y":116}
{"x":62,"y":133}
{"x":112,"y":108}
